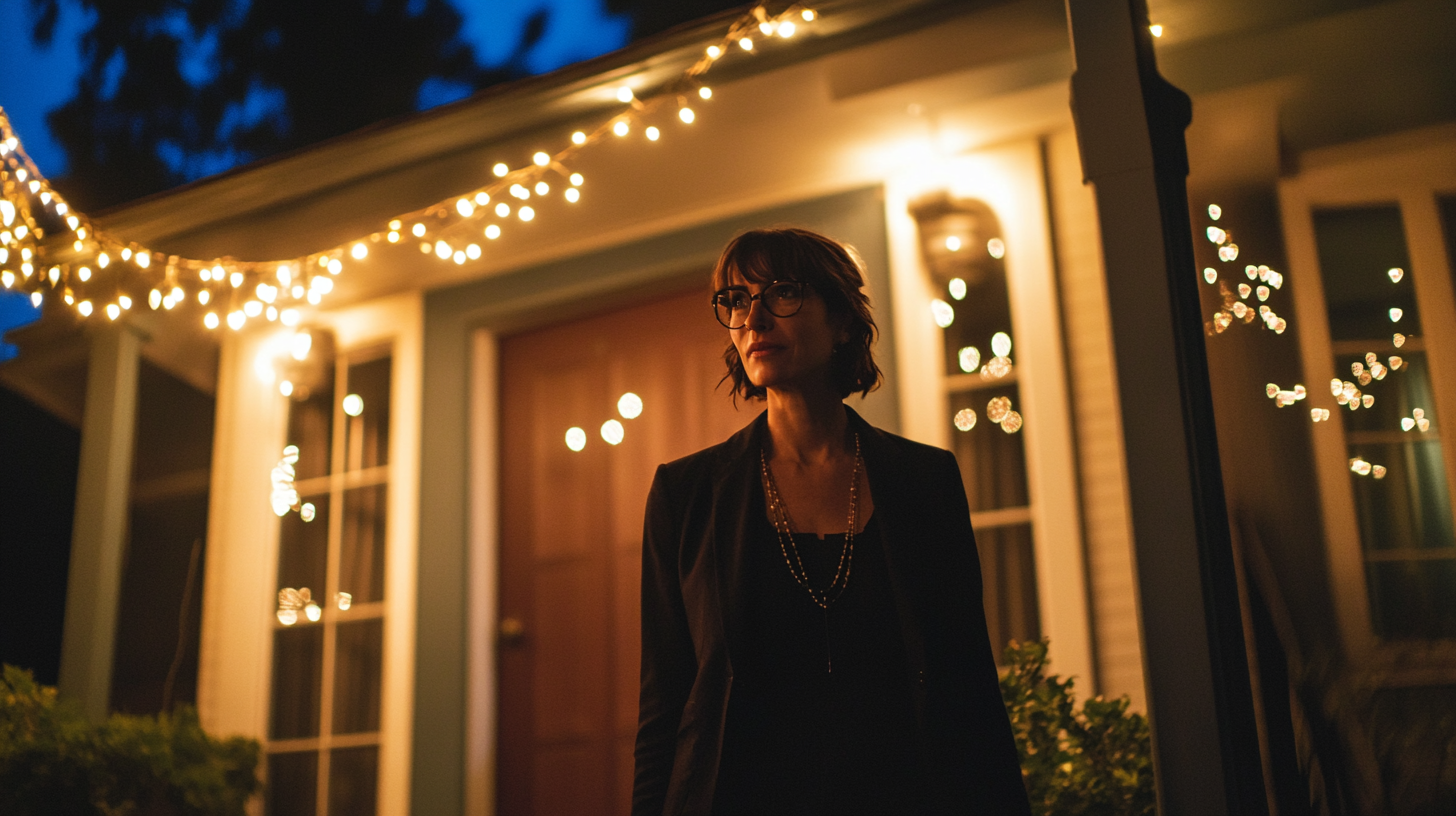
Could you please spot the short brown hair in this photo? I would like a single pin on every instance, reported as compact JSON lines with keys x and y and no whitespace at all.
{"x":834,"y":270}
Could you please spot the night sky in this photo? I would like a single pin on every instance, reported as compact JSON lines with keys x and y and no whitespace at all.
{"x":33,"y":80}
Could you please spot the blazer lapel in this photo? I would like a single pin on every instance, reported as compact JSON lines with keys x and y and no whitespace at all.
{"x":733,"y":502}
{"x":891,"y":505}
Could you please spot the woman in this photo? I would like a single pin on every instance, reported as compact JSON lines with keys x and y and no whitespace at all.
{"x":813,"y":639}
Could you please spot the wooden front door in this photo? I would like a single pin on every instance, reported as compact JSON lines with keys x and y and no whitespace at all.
{"x":571,"y":536}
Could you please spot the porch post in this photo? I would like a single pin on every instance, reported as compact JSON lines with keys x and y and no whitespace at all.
{"x":1130,"y":125}
{"x":98,"y":540}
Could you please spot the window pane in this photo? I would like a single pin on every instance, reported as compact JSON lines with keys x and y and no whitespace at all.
{"x":984,"y":311}
{"x":1008,"y":579}
{"x":993,"y":462}
{"x":310,"y":427}
{"x":1357,"y":247}
{"x":367,"y":435}
{"x":1413,"y":599}
{"x":361,"y":555}
{"x":297,"y":680}
{"x":353,"y":781}
{"x":292,"y":788}
{"x":358,"y":661}
{"x":1410,"y":507}
{"x":303,"y":548}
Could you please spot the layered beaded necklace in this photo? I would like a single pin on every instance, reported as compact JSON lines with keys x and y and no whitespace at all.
{"x":779,"y":513}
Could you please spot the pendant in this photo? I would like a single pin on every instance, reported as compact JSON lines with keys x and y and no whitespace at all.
{"x":828,"y":650}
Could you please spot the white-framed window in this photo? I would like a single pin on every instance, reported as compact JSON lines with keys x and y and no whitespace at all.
{"x":1370,"y":230}
{"x":964,"y":250}
{"x":1022,"y":486}
{"x":325,"y":713}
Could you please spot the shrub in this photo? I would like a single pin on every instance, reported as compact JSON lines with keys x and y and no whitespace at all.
{"x":53,"y":761}
{"x":1093,"y":761}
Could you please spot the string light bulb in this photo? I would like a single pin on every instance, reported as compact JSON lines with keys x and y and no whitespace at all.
{"x":686,"y":114}
{"x":624,"y":94}
{"x":578,"y":138}
{"x":541,"y":159}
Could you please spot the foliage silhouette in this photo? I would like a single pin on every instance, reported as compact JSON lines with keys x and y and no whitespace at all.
{"x":1093,"y":761}
{"x":172,"y":90}
{"x":52,"y":761}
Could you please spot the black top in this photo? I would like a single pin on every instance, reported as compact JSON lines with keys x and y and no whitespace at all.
{"x":820,"y":719}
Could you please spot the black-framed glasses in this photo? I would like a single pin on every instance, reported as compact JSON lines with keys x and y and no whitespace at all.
{"x":780,"y":298}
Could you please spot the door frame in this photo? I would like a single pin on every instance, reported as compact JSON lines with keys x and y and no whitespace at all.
{"x":455,"y":688}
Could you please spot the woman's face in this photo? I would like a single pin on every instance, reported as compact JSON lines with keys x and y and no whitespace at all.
{"x":786,"y":352}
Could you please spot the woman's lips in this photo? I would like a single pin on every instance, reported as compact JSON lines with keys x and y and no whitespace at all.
{"x":761,"y":349}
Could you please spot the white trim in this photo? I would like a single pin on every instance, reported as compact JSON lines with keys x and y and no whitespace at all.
{"x":483,"y":558}
{"x":399,"y":321}
{"x":235,"y":653}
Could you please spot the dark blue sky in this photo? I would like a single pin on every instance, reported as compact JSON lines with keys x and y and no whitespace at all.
{"x":33,"y":81}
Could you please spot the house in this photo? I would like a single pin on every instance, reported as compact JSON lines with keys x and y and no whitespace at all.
{"x":475,"y":465}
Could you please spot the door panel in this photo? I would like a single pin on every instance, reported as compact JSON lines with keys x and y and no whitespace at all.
{"x":571,"y":536}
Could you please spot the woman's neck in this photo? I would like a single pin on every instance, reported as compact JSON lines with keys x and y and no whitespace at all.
{"x":806,"y":426}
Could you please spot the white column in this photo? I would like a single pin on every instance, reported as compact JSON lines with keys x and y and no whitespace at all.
{"x":98,"y":537}
{"x":238,"y":595}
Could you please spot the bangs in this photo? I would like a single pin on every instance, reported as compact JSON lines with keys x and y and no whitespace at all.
{"x":755,"y":258}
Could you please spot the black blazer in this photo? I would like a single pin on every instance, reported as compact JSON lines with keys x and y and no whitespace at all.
{"x":693,"y":577}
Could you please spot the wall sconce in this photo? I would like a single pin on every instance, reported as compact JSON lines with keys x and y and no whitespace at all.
{"x":960,"y":239}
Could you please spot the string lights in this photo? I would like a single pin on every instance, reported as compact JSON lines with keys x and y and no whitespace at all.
{"x":55,"y":253}
{"x":1347,"y":393}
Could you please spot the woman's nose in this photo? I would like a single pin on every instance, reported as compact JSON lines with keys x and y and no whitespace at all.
{"x":759,"y":317}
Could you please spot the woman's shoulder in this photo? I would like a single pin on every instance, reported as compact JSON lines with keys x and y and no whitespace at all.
{"x":713,"y":458}
{"x":907,"y":453}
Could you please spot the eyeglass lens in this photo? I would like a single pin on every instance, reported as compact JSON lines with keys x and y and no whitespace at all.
{"x":781,"y":299}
